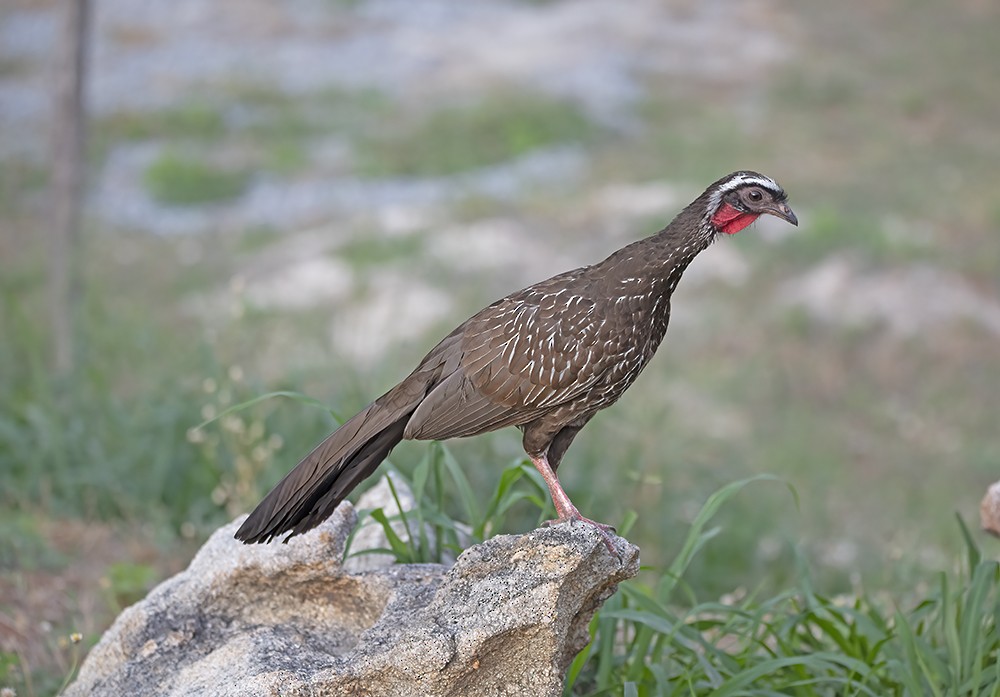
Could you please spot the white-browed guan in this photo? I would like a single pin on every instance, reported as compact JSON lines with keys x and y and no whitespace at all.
{"x":544,"y":359}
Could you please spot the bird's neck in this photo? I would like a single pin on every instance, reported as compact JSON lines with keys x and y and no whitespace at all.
{"x":672,"y":253}
{"x":674,"y":247}
{"x":653,"y":266}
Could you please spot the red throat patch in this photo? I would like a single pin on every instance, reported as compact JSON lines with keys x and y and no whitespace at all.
{"x":730,"y":221}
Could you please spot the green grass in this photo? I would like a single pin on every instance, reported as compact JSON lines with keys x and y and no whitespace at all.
{"x":829,"y":232}
{"x":20,"y":180}
{"x":195,"y":121}
{"x":367,"y":251}
{"x":179,"y":180}
{"x":800,"y":643}
{"x":663,"y":636}
{"x":461,"y":138}
{"x":23,"y":545}
{"x":94,"y":444}
{"x":273,"y":130}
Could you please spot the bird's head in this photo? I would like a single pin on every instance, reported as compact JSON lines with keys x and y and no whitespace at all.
{"x":739,"y":199}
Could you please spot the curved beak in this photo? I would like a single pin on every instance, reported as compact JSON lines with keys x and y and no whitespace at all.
{"x":781,"y":210}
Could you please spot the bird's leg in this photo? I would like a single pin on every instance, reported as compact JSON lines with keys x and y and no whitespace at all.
{"x":565,"y":509}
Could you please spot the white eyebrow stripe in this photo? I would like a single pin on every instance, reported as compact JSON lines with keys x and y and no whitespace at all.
{"x":747,"y":179}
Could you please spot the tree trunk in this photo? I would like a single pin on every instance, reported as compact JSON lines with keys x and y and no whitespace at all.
{"x":67,"y":169}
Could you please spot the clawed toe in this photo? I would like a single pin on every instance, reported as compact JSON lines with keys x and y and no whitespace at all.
{"x":605,"y":531}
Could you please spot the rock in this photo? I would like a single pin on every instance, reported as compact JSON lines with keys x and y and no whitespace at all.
{"x":989,"y":510}
{"x":506,"y":619}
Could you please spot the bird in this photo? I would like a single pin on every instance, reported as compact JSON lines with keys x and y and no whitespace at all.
{"x":544,"y":359}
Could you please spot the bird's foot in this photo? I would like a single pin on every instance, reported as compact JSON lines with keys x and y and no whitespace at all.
{"x":603,"y":530}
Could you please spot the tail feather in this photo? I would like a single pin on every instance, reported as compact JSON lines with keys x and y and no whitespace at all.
{"x":317,"y":485}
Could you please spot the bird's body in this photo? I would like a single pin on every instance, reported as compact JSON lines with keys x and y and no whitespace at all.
{"x":544,"y":359}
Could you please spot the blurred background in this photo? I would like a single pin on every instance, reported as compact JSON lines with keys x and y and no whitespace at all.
{"x":307,"y":195}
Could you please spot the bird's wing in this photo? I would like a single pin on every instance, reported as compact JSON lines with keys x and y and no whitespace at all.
{"x":520,"y":357}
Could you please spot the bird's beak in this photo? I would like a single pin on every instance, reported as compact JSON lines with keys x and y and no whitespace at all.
{"x":781,"y":210}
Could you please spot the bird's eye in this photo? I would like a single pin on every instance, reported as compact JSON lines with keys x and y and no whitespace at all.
{"x":755,"y":195}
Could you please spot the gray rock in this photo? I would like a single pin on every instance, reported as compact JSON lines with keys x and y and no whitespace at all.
{"x":506,"y":619}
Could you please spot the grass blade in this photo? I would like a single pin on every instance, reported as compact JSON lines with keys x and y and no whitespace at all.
{"x":696,"y":537}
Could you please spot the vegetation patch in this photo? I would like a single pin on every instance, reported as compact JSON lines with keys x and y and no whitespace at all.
{"x":462,"y":138}
{"x":364,"y":251}
{"x":195,"y":121}
{"x":661,"y":636}
{"x":829,"y":231}
{"x":182,"y":181}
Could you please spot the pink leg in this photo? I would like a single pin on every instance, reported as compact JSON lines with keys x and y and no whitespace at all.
{"x":565,"y":509}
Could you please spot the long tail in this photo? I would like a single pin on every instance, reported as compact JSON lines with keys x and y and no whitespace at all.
{"x":310,"y":492}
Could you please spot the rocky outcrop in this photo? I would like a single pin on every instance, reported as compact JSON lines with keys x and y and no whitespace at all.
{"x":286,"y":619}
